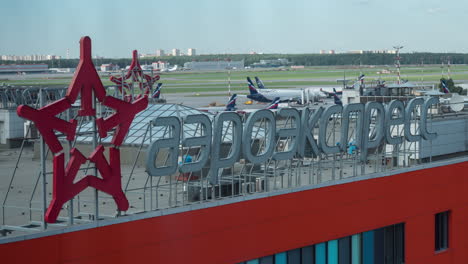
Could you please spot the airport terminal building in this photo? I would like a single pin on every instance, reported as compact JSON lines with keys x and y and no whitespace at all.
{"x":213,"y":65}
{"x":24,"y":68}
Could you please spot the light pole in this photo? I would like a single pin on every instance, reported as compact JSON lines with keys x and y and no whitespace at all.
{"x":397,"y":61}
{"x":229,"y":76}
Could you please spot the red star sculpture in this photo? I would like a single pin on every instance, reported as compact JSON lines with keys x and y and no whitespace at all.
{"x":85,"y":81}
{"x":46,"y":122}
{"x":135,"y":74}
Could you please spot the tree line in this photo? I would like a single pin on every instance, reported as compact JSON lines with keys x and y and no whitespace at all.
{"x":294,"y":59}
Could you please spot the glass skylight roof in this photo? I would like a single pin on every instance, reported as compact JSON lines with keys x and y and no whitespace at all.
{"x":139,"y":126}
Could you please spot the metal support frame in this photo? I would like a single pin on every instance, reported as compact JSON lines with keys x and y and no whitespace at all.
{"x":270,"y":176}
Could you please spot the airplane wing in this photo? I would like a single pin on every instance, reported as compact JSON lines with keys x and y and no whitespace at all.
{"x":325,"y":92}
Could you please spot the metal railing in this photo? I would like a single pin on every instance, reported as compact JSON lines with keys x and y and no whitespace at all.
{"x":241,"y":179}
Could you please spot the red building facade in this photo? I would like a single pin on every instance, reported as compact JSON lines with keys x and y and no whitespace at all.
{"x":260,"y":226}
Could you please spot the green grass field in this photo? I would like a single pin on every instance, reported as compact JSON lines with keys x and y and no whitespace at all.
{"x":193,"y":82}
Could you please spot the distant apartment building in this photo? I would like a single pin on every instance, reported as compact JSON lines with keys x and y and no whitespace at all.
{"x":327,"y":51}
{"x":160,"y":65}
{"x":175,"y":52}
{"x":385,"y":51}
{"x":371,"y":52}
{"x":357,"y":52}
{"x":191,"y":52}
{"x":213,"y":65}
{"x":29,"y":57}
{"x":160,"y":53}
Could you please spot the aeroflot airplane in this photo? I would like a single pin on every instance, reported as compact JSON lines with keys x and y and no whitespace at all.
{"x":259,"y":82}
{"x":157,"y":92}
{"x":269,"y":95}
{"x":455,"y":100}
{"x":336,"y":98}
{"x":230,"y":106}
{"x":329,"y":93}
{"x":273,"y":106}
{"x":445,"y":90}
{"x":311,"y":93}
{"x":444,"y":87}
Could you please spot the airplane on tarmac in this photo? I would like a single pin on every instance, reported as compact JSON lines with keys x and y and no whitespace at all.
{"x":311,"y":92}
{"x":330,"y":91}
{"x":170,"y":69}
{"x":157,"y":92}
{"x":336,"y":98}
{"x":230,"y":106}
{"x":259,"y":82}
{"x":452,"y":101}
{"x":274,"y":104}
{"x":435,"y":92}
{"x":456,"y":102}
{"x":269,"y":95}
{"x":444,"y":87}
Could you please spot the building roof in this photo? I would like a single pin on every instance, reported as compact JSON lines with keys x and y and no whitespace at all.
{"x":402,"y":85}
{"x":139,"y":127}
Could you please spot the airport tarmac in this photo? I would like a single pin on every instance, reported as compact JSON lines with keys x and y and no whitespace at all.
{"x":57,"y":79}
{"x":195,"y":101}
{"x":202,"y":99}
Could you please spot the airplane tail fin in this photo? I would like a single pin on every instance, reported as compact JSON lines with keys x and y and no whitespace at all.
{"x":361,"y":78}
{"x":231,"y":105}
{"x":325,"y":92}
{"x":274,"y":104}
{"x":444,"y":86}
{"x":337,"y":99}
{"x":337,"y":92}
{"x":252,"y":89}
{"x":249,"y":81}
{"x":157,"y":92}
{"x":259,"y":83}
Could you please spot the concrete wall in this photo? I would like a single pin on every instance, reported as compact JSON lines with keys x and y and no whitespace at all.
{"x":12,"y":127}
{"x":452,"y":137}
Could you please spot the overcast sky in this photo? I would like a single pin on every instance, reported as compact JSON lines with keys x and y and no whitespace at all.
{"x":239,"y":26}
